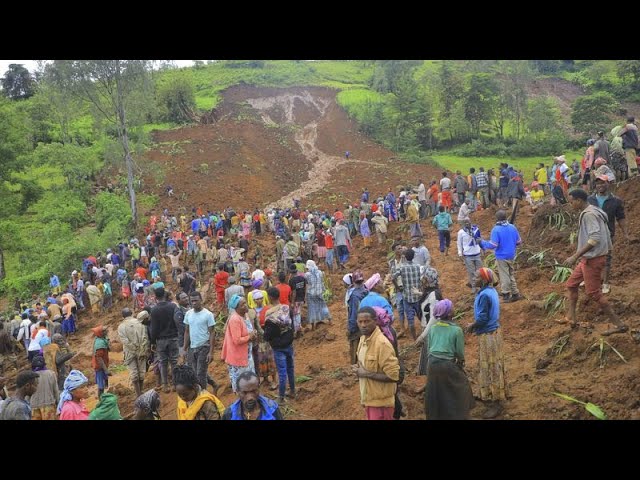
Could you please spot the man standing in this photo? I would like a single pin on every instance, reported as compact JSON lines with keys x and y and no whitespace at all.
{"x":469,"y":251}
{"x":164,"y":336}
{"x":443,"y":223}
{"x":199,"y":338}
{"x":594,"y":243}
{"x":504,"y":240}
{"x":18,"y":407}
{"x":343,"y":243}
{"x":135,"y":344}
{"x":422,"y":256}
{"x":422,"y":199}
{"x":232,"y":290}
{"x":251,"y":405}
{"x":461,"y":186}
{"x":395,"y":263}
{"x":601,"y":148}
{"x":220,"y":280}
{"x":482,"y":182}
{"x":378,"y":368}
{"x":353,"y":304}
{"x":410,"y":274}
{"x":614,"y":208}
{"x":629,"y":136}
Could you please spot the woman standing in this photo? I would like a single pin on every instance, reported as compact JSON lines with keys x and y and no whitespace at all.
{"x":262,"y":352}
{"x":492,"y":368}
{"x":448,"y":394}
{"x":317,"y":307}
{"x":238,"y":335}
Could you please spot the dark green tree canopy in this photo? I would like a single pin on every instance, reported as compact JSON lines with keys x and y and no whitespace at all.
{"x":17,"y":82}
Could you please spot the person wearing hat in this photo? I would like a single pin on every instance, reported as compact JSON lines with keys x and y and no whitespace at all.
{"x":614,"y":208}
{"x":491,"y":362}
{"x":100,"y":358}
{"x":594,"y":244}
{"x":602,"y":169}
{"x":355,"y":295}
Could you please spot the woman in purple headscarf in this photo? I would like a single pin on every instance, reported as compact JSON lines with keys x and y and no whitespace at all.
{"x":448,"y":394}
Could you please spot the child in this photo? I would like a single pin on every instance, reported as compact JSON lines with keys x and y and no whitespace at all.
{"x":100,"y":358}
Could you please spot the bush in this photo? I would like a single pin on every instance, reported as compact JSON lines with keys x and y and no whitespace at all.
{"x":111,"y":207}
{"x":481,"y":148}
{"x":553,"y":144}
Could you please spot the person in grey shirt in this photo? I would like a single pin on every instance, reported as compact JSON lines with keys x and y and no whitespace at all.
{"x":232,"y":290}
{"x":342,"y":240}
{"x":594,"y":243}
{"x":422,"y":256}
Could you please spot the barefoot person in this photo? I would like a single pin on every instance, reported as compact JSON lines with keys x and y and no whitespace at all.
{"x":492,"y":371}
{"x":594,"y":244}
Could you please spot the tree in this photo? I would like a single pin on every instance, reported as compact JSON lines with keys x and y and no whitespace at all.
{"x":629,"y":71}
{"x":543,"y":115}
{"x":387,"y":74}
{"x":591,"y":113}
{"x":17,"y":82}
{"x":451,"y":90}
{"x":479,"y":100}
{"x":108,"y":85}
{"x":424,"y":122}
{"x":177,"y":95}
{"x":403,"y":104}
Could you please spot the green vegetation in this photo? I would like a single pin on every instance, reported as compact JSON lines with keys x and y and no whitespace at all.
{"x":62,"y":128}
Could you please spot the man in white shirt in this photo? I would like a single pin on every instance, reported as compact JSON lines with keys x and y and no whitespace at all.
{"x":422,"y":257}
{"x":469,"y":250}
{"x":422,"y":198}
{"x":463,"y":214}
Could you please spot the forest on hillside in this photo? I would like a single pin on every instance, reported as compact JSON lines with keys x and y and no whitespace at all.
{"x":72,"y":130}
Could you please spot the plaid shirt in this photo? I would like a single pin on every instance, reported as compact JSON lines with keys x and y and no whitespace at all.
{"x":410,"y":274}
{"x":482,"y":179}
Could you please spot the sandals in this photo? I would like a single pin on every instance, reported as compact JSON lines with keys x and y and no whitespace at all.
{"x":615,"y":330}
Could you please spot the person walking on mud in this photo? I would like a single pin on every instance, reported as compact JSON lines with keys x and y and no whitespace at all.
{"x":491,"y":363}
{"x":504,"y":240}
{"x":614,"y":208}
{"x":594,"y":244}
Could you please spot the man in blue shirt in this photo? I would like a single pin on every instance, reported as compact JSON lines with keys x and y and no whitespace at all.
{"x":251,"y":405}
{"x":504,"y":240}
{"x":199,"y":338}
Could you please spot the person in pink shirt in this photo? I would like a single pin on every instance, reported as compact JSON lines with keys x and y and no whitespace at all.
{"x":238,"y":335}
{"x":71,"y":405}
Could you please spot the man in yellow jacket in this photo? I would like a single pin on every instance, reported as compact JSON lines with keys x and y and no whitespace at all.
{"x":378,"y":368}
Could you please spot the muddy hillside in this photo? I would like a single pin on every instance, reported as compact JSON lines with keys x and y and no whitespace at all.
{"x":269,"y":146}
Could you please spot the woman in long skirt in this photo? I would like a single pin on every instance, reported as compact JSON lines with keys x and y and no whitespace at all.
{"x":317,"y":307}
{"x":262,"y":351}
{"x":448,"y":394}
{"x":430,"y":298}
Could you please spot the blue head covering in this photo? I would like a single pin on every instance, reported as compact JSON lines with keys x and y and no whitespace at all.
{"x":234,"y":301}
{"x":74,"y":380}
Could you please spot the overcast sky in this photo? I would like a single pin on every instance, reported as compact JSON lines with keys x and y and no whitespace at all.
{"x":31,"y":65}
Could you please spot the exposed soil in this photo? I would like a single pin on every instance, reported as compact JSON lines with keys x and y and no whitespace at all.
{"x":269,"y":143}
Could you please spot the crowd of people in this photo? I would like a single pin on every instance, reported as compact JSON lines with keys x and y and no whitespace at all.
{"x":269,"y":298}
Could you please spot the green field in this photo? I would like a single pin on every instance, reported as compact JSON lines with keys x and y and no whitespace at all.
{"x":526,"y":164}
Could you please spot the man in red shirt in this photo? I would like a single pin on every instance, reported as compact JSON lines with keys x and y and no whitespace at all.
{"x":220,"y":281}
{"x":285,"y":289}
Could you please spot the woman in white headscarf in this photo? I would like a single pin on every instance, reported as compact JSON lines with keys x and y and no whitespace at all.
{"x":317,"y":307}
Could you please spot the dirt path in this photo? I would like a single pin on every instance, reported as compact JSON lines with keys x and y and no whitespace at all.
{"x":306,"y":137}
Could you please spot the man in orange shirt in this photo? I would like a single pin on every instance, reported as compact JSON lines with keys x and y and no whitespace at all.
{"x":285,"y":289}
{"x":220,"y":281}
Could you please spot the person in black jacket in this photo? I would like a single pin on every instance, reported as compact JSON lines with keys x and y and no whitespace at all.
{"x":164,"y":336}
{"x":278,"y":331}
